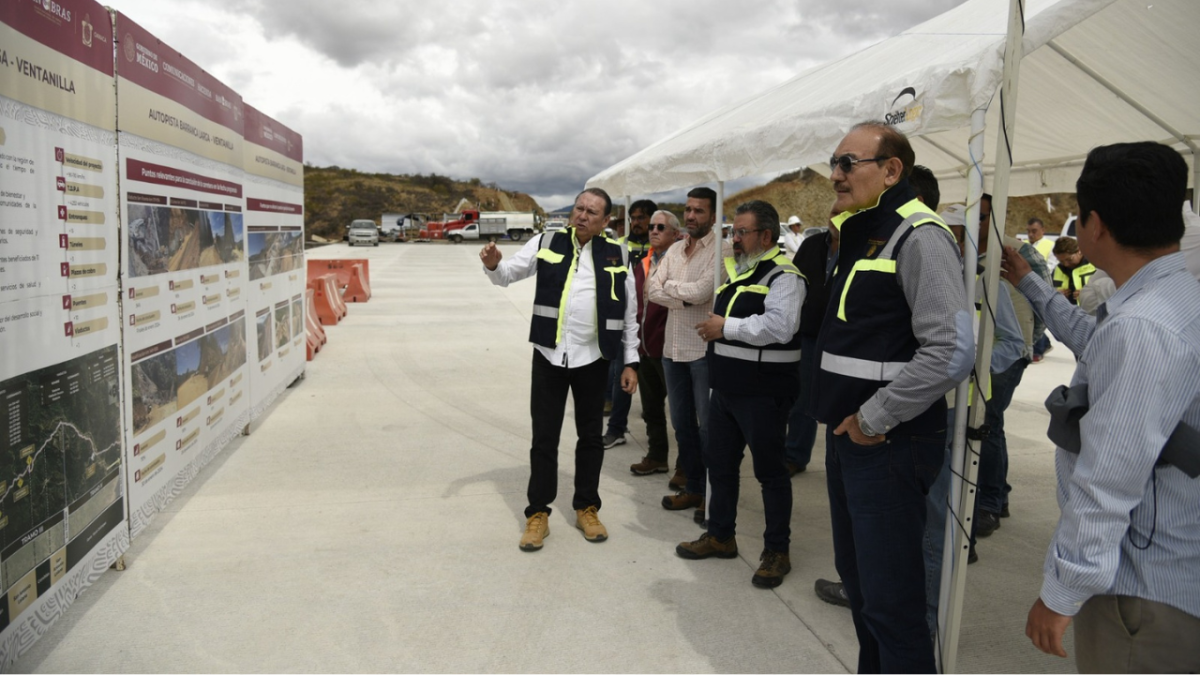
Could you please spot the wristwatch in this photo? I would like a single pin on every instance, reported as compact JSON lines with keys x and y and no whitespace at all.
{"x":862,"y":425}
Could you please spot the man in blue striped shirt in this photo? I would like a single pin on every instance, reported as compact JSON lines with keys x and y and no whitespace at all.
{"x":1125,"y":558}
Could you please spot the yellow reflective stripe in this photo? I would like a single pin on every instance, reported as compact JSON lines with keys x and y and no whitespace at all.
{"x":912,"y":208}
{"x":549,"y":256}
{"x":887,"y":266}
{"x":612,"y":273}
{"x":562,"y":303}
{"x":752,"y":288}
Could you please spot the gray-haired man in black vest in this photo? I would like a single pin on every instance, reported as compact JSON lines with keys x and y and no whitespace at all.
{"x":584,"y":315}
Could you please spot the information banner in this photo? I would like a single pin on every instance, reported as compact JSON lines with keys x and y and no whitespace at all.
{"x":274,"y":162}
{"x":62,"y":493}
{"x":184,"y":263}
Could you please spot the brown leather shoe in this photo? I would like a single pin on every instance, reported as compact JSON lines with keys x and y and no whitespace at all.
{"x":774,"y":567}
{"x":683,"y":500}
{"x":537,"y":528}
{"x":593,"y":530}
{"x":648,"y":466}
{"x":707,"y":546}
{"x":678,"y":481}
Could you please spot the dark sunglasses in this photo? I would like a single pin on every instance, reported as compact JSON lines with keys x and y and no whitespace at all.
{"x":660,"y":227}
{"x":846,"y":162}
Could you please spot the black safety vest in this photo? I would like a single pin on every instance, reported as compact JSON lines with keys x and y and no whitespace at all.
{"x":867,"y":338}
{"x":740,"y":368}
{"x":556,"y":264}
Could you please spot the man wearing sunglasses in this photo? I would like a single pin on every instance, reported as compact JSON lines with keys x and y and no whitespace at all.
{"x":897,"y":336}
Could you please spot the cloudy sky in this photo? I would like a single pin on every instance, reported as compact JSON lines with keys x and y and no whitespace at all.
{"x":533,"y":95}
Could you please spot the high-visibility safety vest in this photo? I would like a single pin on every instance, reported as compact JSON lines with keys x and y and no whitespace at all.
{"x":637,"y":251}
{"x":866,"y":338}
{"x":737,"y":367}
{"x":556,"y":262}
{"x":1074,"y":279}
{"x":1045,"y":247}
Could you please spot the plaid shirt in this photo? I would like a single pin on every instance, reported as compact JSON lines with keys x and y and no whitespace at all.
{"x":683,"y":283}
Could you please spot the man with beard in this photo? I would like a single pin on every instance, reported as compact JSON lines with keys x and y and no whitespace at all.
{"x":683,"y":283}
{"x":753,"y":361}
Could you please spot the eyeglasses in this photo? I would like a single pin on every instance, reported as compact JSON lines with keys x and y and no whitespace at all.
{"x":846,"y":162}
{"x":660,"y":227}
{"x":741,"y":233}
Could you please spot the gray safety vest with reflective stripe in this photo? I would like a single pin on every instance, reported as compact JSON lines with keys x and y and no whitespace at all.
{"x":556,"y":264}
{"x":744,"y":369}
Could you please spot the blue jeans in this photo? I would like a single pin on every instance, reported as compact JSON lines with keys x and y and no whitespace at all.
{"x":877,"y":505}
{"x":993,"y":452}
{"x":1039,"y":347}
{"x":618,"y":419}
{"x":758,"y":421}
{"x":688,"y":397}
{"x":802,"y":429}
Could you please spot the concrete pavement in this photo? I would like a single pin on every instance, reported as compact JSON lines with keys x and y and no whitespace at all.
{"x":370,"y":523}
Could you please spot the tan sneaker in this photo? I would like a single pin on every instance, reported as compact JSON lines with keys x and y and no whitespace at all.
{"x":537,"y":528}
{"x":772,"y":570}
{"x":647,"y":466}
{"x":678,"y":481}
{"x":707,"y":546}
{"x":589,"y":522}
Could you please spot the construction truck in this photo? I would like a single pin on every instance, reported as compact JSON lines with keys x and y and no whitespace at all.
{"x":489,"y":225}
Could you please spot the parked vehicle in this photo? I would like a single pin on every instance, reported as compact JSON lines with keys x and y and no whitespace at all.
{"x":515,"y":224}
{"x":555,"y":224}
{"x":363,"y":232}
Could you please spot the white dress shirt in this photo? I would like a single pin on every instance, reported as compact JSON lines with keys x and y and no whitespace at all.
{"x":580,"y":344}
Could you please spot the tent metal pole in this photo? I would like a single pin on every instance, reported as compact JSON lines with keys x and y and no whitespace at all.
{"x":718,"y":272}
{"x":1013,"y":53}
{"x":965,"y":468}
{"x":627,"y":202}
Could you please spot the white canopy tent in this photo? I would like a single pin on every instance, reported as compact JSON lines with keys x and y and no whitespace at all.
{"x":1092,"y":72}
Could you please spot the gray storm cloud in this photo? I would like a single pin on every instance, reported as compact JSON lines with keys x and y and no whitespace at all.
{"x":536,"y":96}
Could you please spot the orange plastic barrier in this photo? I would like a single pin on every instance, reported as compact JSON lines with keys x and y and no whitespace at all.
{"x":359,"y":289}
{"x":341,"y":268}
{"x":313,"y":332}
{"x":335,"y":293}
{"x":325,"y":299}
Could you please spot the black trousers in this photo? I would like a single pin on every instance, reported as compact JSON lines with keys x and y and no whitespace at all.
{"x":547,"y":406}
{"x":652,"y":387}
{"x":760,"y":422}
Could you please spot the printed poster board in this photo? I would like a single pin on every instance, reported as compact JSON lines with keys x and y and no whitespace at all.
{"x":184,"y":266}
{"x":274,"y":181}
{"x":62,"y":492}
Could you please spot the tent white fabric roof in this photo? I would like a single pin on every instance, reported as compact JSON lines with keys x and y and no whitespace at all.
{"x":1094,"y":72}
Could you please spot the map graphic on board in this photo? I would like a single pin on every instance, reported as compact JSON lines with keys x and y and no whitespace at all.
{"x":60,"y":439}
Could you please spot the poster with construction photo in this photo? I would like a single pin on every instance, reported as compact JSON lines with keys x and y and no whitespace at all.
{"x":184,"y":266}
{"x":62,"y":491}
{"x":274,"y":188}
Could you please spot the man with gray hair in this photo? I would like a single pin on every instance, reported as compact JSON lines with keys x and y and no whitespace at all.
{"x":753,"y":354}
{"x":652,"y":326}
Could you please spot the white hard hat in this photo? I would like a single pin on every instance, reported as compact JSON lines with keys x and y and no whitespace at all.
{"x":794,"y":220}
{"x":955,"y":214}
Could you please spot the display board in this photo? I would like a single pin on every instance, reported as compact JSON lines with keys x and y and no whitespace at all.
{"x":62,"y":493}
{"x":184,"y":266}
{"x":274,"y":181}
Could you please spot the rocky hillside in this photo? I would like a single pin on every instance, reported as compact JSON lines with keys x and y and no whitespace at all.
{"x":334,"y":196}
{"x":809,"y":195}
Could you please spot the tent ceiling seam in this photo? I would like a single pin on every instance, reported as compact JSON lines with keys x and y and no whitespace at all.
{"x":1121,"y":94}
